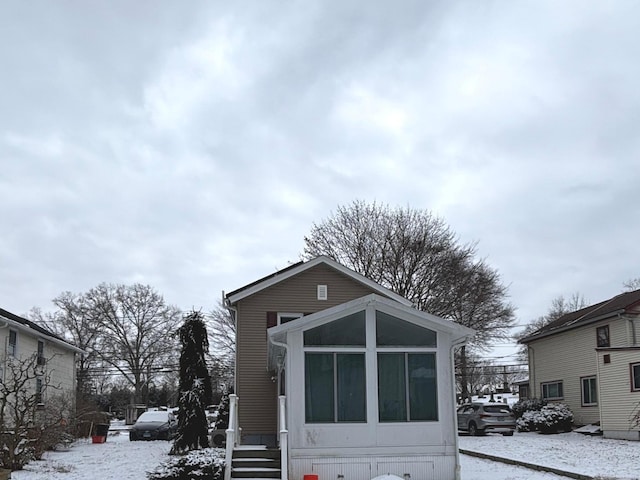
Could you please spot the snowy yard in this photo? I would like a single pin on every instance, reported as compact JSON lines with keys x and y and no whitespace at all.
{"x":119,"y":459}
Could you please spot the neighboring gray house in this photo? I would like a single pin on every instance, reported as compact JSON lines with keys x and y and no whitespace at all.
{"x":55,"y":358}
{"x":345,"y":376}
{"x":590,"y":360}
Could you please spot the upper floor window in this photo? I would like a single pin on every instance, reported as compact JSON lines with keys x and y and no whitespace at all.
{"x":40,"y":356}
{"x":634,"y":330}
{"x":12,"y":343}
{"x":288,"y":317}
{"x":39,"y":387}
{"x":602,"y":336}
{"x":552,"y":390}
{"x":635,"y":377}
{"x":589,"y":391}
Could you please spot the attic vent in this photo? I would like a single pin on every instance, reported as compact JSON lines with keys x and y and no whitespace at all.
{"x":322,"y":292}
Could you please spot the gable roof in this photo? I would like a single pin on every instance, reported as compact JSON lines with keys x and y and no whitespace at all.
{"x":297,"y":268}
{"x":620,"y":304}
{"x":37,"y":330}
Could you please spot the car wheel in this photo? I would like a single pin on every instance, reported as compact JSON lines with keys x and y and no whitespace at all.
{"x":473,"y":430}
{"x":132,"y":437}
{"x":507,"y":434}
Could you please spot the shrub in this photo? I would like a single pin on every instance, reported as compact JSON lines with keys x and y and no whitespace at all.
{"x":207,"y":463}
{"x":527,"y":405}
{"x":552,"y":418}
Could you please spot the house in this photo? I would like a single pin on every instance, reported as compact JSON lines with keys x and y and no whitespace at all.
{"x":54,"y":358}
{"x":345,"y":376}
{"x":590,"y":360}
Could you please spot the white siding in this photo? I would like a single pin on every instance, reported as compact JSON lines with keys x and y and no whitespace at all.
{"x":422,"y":467}
{"x":566,"y":357}
{"x":618,"y":403}
{"x":59,"y":364}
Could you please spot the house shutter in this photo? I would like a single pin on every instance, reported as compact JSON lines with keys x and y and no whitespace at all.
{"x":272,"y":319}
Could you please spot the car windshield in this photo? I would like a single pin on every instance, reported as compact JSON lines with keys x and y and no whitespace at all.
{"x":496,"y":409}
{"x":161,"y":417}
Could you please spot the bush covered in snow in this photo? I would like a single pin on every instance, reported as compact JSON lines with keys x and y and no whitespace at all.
{"x":207,"y":463}
{"x":551,"y":418}
{"x":527,"y":405}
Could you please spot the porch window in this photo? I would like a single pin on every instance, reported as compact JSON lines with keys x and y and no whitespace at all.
{"x":589,"y":391}
{"x":393,"y":332}
{"x":635,"y":377}
{"x":552,"y":390}
{"x":407,"y":387}
{"x":349,"y":331}
{"x":335,"y":388}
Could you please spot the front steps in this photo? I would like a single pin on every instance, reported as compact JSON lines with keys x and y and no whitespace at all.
{"x":254,"y":462}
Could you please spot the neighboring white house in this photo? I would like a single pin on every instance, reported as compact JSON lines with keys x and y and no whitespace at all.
{"x":24,"y":340}
{"x":590,"y":360}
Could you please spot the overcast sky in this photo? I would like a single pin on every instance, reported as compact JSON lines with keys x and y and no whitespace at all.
{"x":191,"y":145}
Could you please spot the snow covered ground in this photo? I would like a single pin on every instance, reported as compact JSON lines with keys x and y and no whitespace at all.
{"x":119,"y":459}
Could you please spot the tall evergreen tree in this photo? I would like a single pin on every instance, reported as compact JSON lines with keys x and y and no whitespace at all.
{"x":195,"y":386}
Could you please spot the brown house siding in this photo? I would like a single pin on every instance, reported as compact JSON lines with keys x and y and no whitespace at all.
{"x":298,"y":294}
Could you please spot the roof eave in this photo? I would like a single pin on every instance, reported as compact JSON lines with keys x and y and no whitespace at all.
{"x":573,"y":326}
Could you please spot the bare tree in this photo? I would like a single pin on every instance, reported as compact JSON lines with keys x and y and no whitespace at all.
{"x":222,"y":336}
{"x":631,"y":285}
{"x":411,"y":252}
{"x":416,"y":255}
{"x":27,"y":426}
{"x":221,"y":358}
{"x":137,"y":331}
{"x":75,"y":322}
{"x":559,"y":307}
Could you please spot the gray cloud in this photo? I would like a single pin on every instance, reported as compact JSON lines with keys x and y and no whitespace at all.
{"x":191,"y":147}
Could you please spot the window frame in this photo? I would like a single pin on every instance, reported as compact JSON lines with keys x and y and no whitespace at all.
{"x":336,"y":394}
{"x":547,"y":384}
{"x":589,"y":378}
{"x":12,"y":348}
{"x":603,"y":338}
{"x":381,"y":351}
{"x":292,"y":316}
{"x":634,"y":376}
{"x":39,"y":395}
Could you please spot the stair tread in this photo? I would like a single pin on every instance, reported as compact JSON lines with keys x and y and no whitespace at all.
{"x":254,"y":459}
{"x":255,"y":469}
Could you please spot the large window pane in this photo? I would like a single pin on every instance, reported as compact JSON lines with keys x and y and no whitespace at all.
{"x":393,"y":332}
{"x":347,"y":331}
{"x":392,"y":404}
{"x":318,"y":383}
{"x":423,"y":395}
{"x":351,"y":388}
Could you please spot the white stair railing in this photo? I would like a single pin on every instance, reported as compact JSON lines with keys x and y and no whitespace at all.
{"x":284,"y":437}
{"x":233,"y":435}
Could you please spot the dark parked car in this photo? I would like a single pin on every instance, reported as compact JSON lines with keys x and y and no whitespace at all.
{"x":156,"y":425}
{"x":481,"y":418}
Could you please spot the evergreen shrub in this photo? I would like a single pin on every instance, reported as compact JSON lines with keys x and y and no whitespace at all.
{"x":207,"y":463}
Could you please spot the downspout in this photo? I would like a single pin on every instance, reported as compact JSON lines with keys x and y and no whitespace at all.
{"x":283,"y":426}
{"x":454,"y":404}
